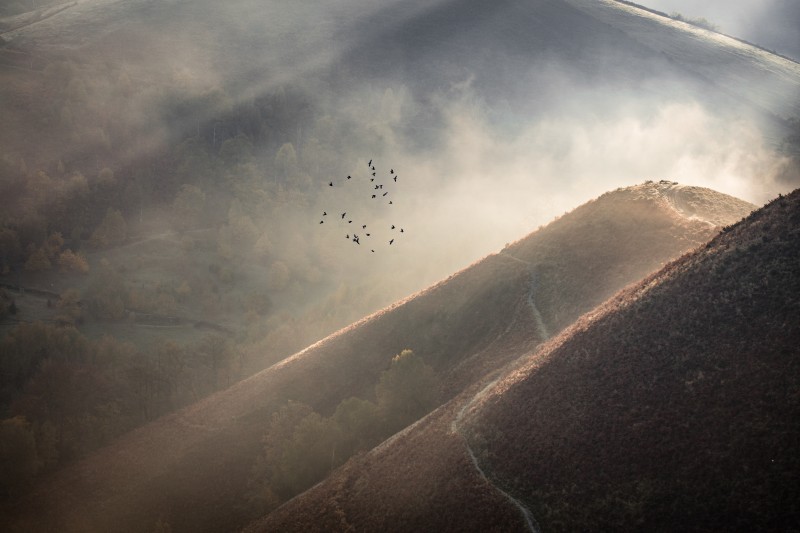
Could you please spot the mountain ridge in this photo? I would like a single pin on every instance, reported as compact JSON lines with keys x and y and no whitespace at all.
{"x":466,"y":327}
{"x":560,"y":389}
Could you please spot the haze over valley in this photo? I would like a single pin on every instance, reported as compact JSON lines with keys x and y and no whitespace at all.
{"x":242,"y":244}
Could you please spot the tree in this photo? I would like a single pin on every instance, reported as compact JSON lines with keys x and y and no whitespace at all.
{"x":18,"y":461}
{"x":69,"y":305}
{"x":407,"y":391}
{"x":112,"y":230}
{"x":188,"y":206}
{"x":38,"y":261}
{"x":70,"y":261}
{"x":359,"y":425}
{"x":106,"y":295}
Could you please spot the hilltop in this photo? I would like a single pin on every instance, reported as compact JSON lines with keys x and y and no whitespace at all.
{"x":192,"y":467}
{"x":671,"y":406}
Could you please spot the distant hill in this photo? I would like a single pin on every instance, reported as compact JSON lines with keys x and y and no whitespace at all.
{"x":192,"y":466}
{"x":673,"y":406}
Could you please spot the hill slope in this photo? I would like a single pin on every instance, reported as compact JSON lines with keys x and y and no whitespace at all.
{"x":671,"y":406}
{"x":192,"y":467}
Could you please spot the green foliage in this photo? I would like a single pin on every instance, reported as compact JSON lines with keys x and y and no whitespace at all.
{"x":408,"y":390}
{"x":300,"y":446}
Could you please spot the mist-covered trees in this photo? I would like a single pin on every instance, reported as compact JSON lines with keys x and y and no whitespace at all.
{"x":407,"y":391}
{"x":301,"y":446}
{"x":18,"y":460}
{"x":64,"y":395}
{"x":112,"y":230}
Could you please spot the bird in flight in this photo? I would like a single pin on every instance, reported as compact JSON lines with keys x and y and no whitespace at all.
{"x":391,"y":171}
{"x":348,"y":177}
{"x":374,"y":196}
{"x":390,"y":242}
{"x":321,"y":221}
{"x":324,"y":213}
{"x":392,"y":226}
{"x":384,"y":194}
{"x":395,"y":179}
{"x":343,"y":214}
{"x":364,"y":226}
{"x":330,"y":184}
{"x":370,"y":163}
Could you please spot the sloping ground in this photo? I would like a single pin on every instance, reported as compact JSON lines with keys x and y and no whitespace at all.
{"x":672,"y":407}
{"x":764,"y":79}
{"x":367,"y":493}
{"x":192,"y":467}
{"x":423,"y":479}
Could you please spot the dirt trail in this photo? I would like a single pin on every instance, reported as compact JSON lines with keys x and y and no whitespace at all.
{"x":455,"y":426}
{"x":530,"y":521}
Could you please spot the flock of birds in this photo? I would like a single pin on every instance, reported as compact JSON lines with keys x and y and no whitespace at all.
{"x":380,"y":190}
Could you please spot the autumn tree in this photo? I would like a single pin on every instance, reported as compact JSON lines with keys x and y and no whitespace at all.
{"x":69,"y":261}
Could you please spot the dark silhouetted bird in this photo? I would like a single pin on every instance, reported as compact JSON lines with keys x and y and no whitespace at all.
{"x":343,"y":214}
{"x":368,"y":234}
{"x":391,"y":171}
{"x":349,"y":221}
{"x":348,"y":177}
{"x":324,"y":213}
{"x":363,"y":226}
{"x":390,"y":202}
{"x":347,"y":236}
{"x":377,"y":187}
{"x":370,"y":163}
{"x":372,"y":179}
{"x":392,"y":226}
{"x":373,"y":173}
{"x":373,"y":251}
{"x":381,"y":186}
{"x":374,"y":196}
{"x":384,"y":194}
{"x":390,"y":242}
{"x":395,"y":179}
{"x":401,"y":230}
{"x":373,"y":168}
{"x":321,"y":221}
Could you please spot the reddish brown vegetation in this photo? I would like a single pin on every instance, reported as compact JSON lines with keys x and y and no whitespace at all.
{"x":675,"y":405}
{"x":191,"y":468}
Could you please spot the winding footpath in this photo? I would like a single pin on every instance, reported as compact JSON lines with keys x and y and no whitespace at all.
{"x":455,"y":426}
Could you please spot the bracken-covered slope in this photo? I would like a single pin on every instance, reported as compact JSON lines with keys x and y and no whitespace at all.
{"x":191,"y":468}
{"x":673,"y":406}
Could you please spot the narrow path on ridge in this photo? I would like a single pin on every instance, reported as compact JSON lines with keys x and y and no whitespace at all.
{"x":542,"y":334}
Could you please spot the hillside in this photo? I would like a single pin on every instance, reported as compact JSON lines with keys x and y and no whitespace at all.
{"x":192,"y":467}
{"x":672,"y":406}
